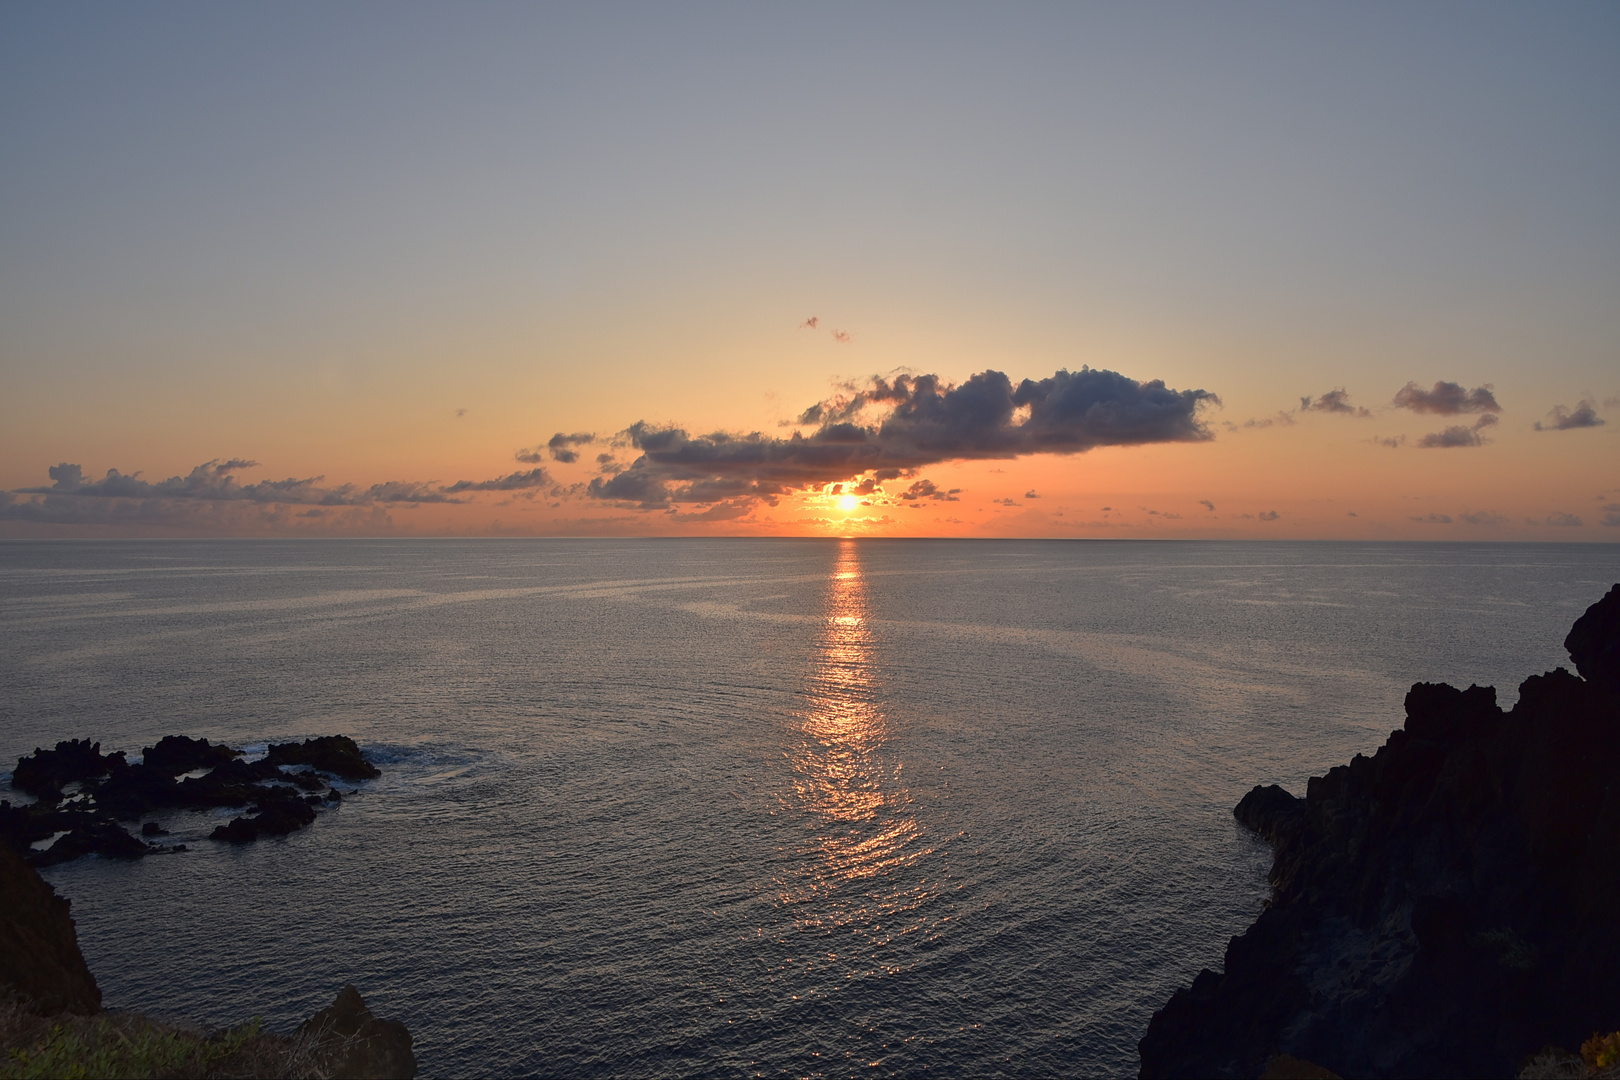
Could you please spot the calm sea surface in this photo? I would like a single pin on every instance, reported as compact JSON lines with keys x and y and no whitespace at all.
{"x":729,"y":807}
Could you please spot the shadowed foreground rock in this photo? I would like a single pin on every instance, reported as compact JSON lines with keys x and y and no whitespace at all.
{"x":1447,"y":907}
{"x":39,"y":948}
{"x":52,"y":1023}
{"x":357,"y":1044}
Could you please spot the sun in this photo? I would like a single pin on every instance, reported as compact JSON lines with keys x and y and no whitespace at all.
{"x":846,"y":503}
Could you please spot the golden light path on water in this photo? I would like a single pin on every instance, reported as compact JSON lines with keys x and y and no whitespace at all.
{"x":851,"y":881}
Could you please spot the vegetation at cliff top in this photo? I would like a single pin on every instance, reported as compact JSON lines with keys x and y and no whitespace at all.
{"x":128,"y":1045}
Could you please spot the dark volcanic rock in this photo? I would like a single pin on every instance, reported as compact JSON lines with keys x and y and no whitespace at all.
{"x":104,"y":838}
{"x":1444,"y":908}
{"x":335,"y":754}
{"x":358,"y":1044}
{"x":280,"y":813}
{"x":1594,"y":643}
{"x":39,"y":950}
{"x":176,"y":754}
{"x":116,"y":791}
{"x":44,"y":772}
{"x":88,"y":831}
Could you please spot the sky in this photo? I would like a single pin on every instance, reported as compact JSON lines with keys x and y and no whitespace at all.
{"x":1243,"y":270}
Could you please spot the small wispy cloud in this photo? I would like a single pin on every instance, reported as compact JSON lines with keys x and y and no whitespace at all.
{"x":560,"y":445}
{"x":1334,"y":401}
{"x":1583,"y":415}
{"x":1458,"y":435}
{"x":1447,"y":399}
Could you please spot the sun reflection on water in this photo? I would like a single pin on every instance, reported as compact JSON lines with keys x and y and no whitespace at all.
{"x":849,"y":791}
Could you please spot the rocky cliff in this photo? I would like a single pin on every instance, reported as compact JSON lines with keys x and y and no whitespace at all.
{"x":1446,"y":907}
{"x":39,"y":948}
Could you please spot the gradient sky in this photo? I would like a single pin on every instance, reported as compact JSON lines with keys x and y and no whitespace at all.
{"x":383,"y":249}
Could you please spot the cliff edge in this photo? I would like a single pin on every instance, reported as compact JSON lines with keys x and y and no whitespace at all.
{"x":1446,"y":907}
{"x":39,"y":948}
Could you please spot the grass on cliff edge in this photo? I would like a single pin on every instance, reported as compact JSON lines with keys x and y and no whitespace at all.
{"x":129,"y":1045}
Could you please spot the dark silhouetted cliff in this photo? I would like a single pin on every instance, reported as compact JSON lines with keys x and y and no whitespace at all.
{"x":1446,"y":907}
{"x":39,"y":949}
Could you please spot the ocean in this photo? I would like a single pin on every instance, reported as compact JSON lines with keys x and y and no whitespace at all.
{"x":739,"y":807}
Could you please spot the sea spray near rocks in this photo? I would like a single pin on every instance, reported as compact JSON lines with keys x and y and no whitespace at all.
{"x":1448,"y":906}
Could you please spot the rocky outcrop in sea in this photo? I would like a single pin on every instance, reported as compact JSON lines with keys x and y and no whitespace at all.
{"x":82,"y":797}
{"x":1449,"y":906}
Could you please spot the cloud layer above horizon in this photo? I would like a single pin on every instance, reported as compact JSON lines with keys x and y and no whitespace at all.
{"x":869,"y":434}
{"x":890,"y":430}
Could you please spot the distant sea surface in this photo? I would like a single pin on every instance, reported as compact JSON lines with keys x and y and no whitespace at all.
{"x":729,"y":807}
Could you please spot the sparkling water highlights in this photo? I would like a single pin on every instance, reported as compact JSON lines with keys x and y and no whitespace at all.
{"x":736,"y":807}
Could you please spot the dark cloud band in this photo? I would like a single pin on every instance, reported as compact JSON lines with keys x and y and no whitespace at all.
{"x":920,"y":420}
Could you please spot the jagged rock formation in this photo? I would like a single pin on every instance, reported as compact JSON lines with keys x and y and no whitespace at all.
{"x":1446,"y":907}
{"x":284,"y":788}
{"x":358,"y":1044}
{"x":39,"y":949}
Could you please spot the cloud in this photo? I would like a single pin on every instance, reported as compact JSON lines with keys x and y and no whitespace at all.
{"x":1392,"y":442}
{"x":1482,"y":517}
{"x":1611,"y":403}
{"x":1006,"y":502}
{"x":1561,"y":419}
{"x":843,"y":337}
{"x":461,"y":412}
{"x":925,"y":489}
{"x":190,"y":515}
{"x":1334,"y":401}
{"x":811,"y":323}
{"x":1447,"y":399}
{"x":1611,"y":516}
{"x":1282,"y":419}
{"x":1458,"y":435}
{"x":1030,"y":494}
{"x":518,"y":481}
{"x":204,"y":498}
{"x":892,"y":429}
{"x":1207,"y":505}
{"x":723,"y":511}
{"x":1558,"y":519}
{"x":215,"y":481}
{"x":1433,"y":519}
{"x":559,"y":445}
